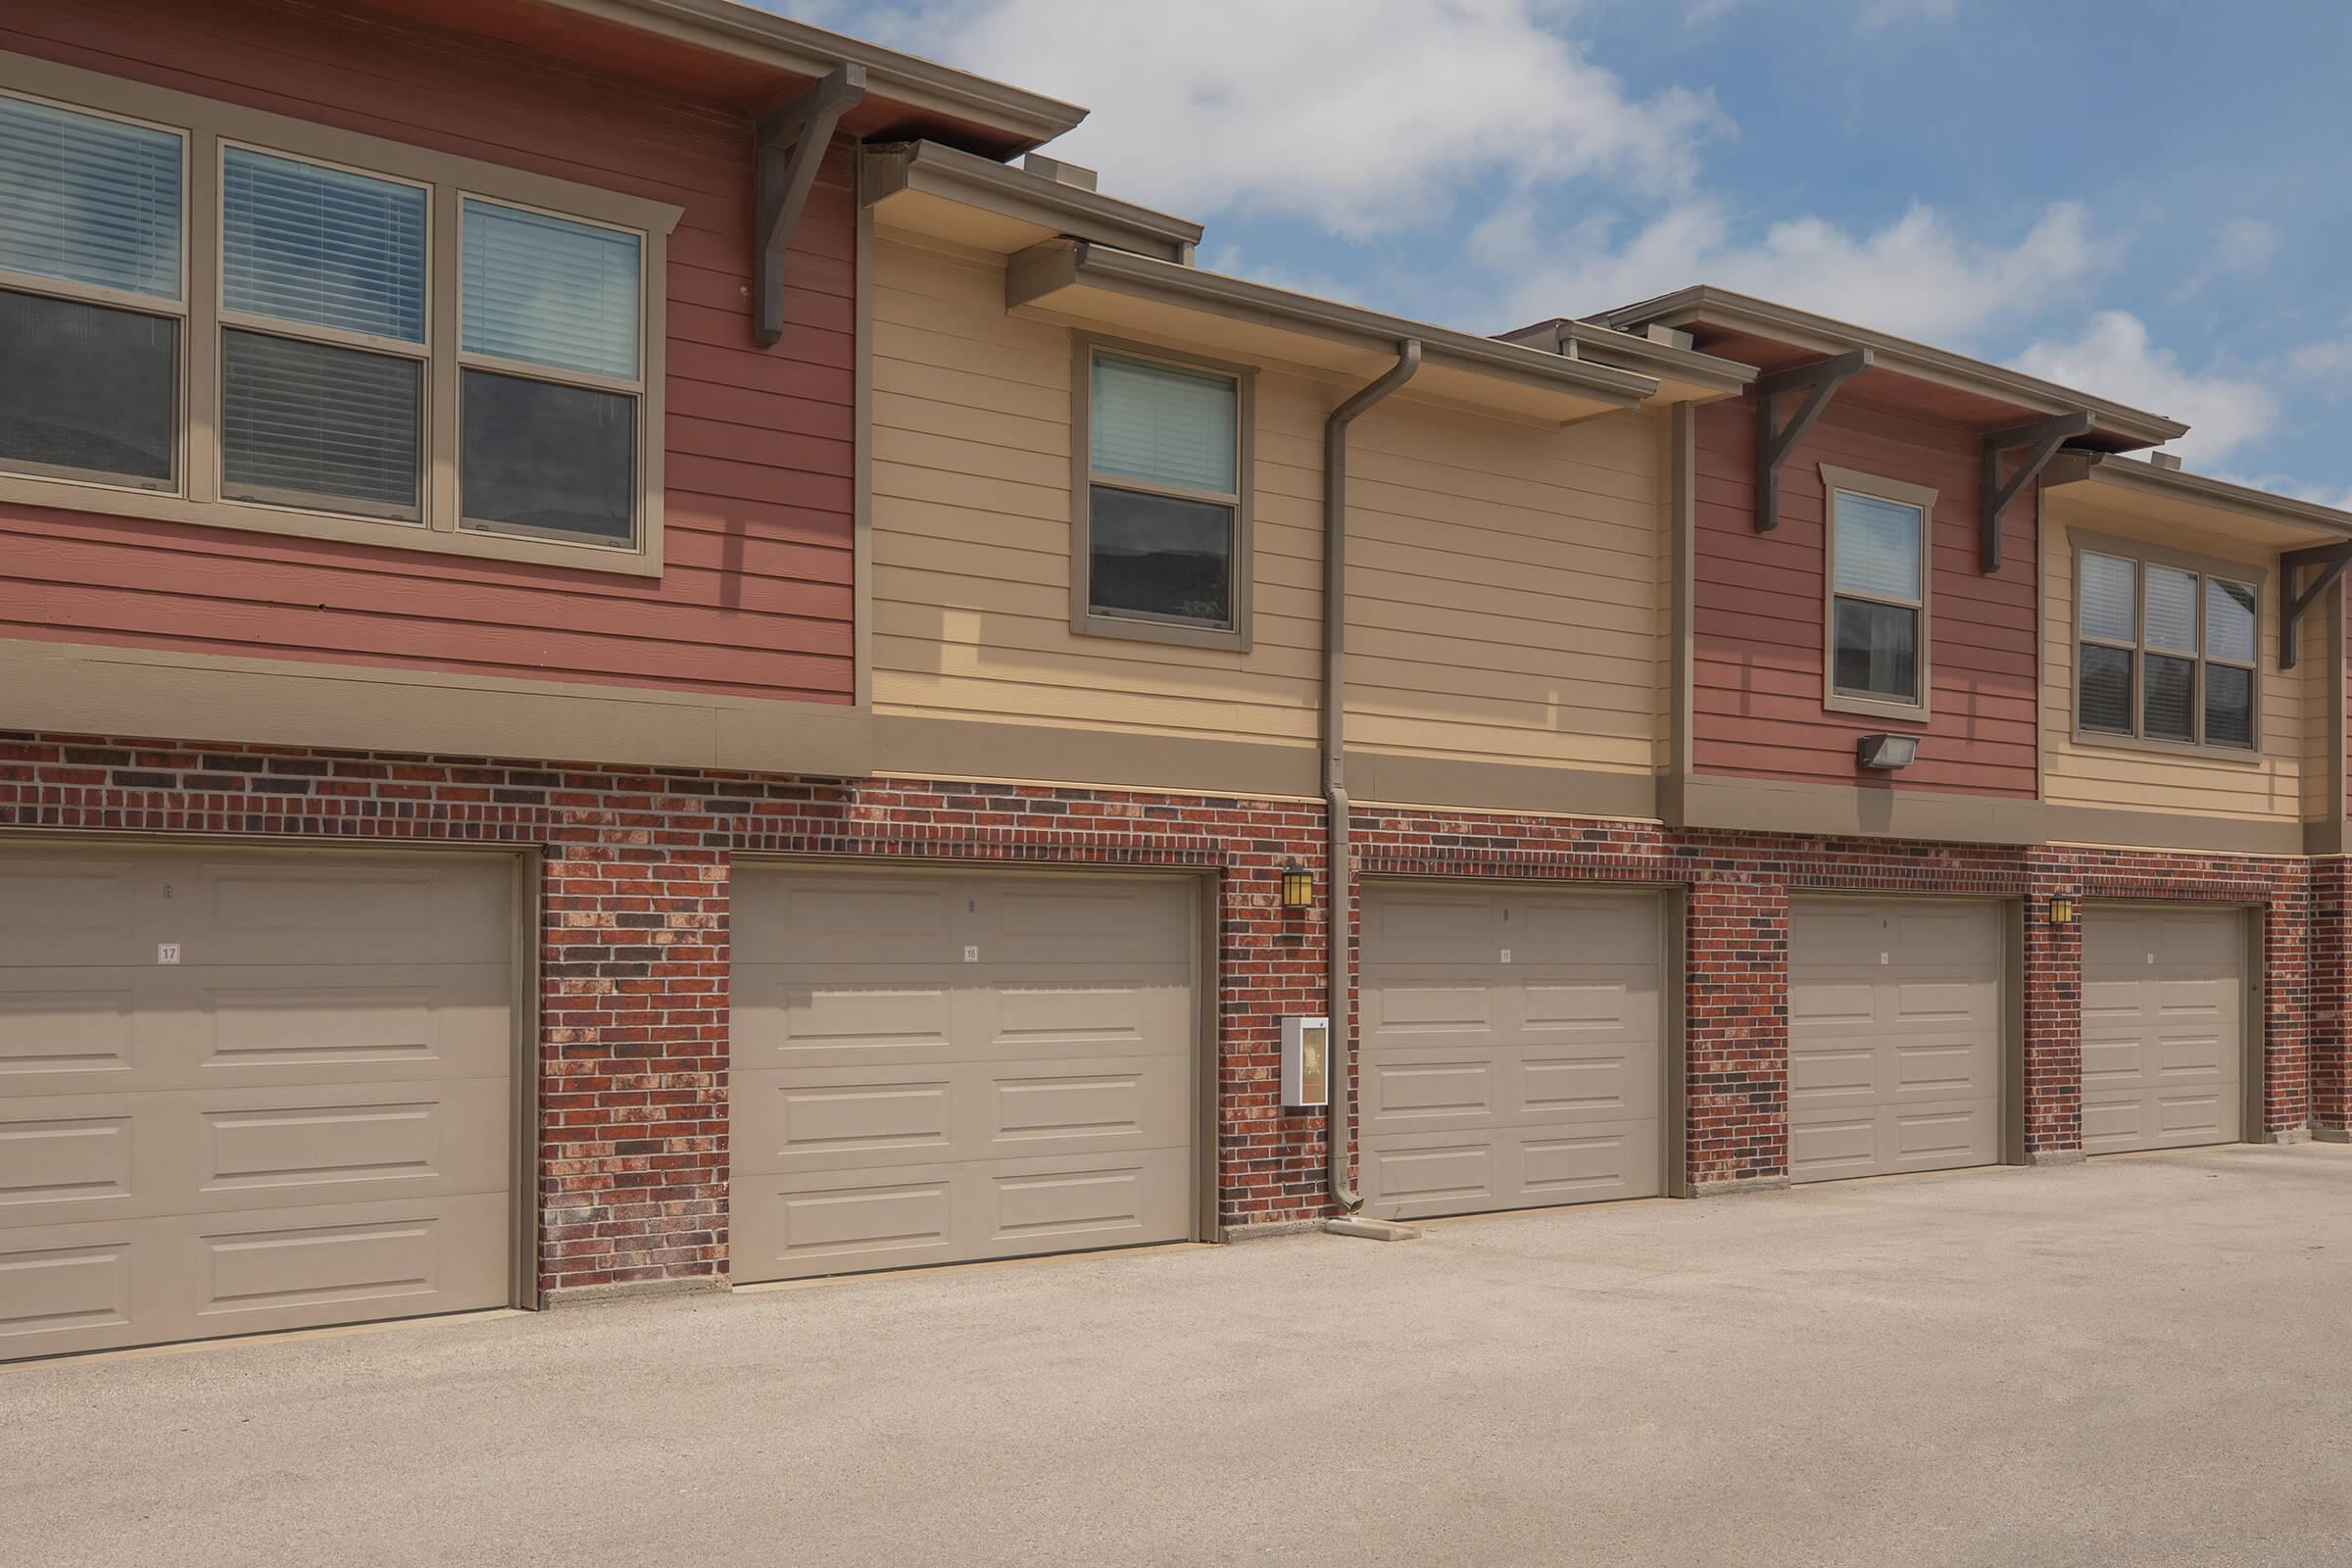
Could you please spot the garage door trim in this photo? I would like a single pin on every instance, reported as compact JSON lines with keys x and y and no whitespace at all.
{"x":525,"y":891}
{"x":2254,"y":1024}
{"x":1203,"y":956}
{"x":2009,"y":912}
{"x":1671,"y":904}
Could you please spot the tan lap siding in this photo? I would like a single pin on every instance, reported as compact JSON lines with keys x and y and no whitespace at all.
{"x":1501,"y":590}
{"x":971,"y":486}
{"x":2265,"y":785}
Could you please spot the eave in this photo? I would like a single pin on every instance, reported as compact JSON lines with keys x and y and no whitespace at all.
{"x":926,"y":188}
{"x":1094,"y":287}
{"x":2194,"y":501}
{"x":1683,"y":375}
{"x":1719,"y":313}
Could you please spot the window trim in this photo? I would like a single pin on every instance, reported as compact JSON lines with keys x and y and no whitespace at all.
{"x":1898,"y":493}
{"x":2142,"y":555}
{"x":204,"y":126}
{"x":1084,"y":619}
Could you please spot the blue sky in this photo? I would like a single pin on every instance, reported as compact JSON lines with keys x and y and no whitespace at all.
{"x":2147,"y":201}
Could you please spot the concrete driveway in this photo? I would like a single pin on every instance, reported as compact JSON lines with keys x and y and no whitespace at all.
{"x":2143,"y":1360}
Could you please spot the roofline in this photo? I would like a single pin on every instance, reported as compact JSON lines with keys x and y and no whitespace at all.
{"x":1330,"y":319}
{"x":932,"y":168}
{"x":1625,"y":351}
{"x":797,"y":47}
{"x":1704,"y":302}
{"x":2148,"y":479}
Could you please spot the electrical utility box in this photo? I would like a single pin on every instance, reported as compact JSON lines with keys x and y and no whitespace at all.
{"x":1305,"y":1061}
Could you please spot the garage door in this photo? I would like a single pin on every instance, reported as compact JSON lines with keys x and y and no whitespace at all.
{"x":1895,"y":1037}
{"x":1511,"y":1049}
{"x":243,"y":1092}
{"x":936,"y":1068}
{"x":2163,"y":1028}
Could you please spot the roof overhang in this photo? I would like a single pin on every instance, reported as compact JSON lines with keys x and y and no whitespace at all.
{"x":1946,"y":386}
{"x":2146,"y":492}
{"x":1094,"y":286}
{"x":1683,"y":375}
{"x":926,"y":188}
{"x":754,"y":59}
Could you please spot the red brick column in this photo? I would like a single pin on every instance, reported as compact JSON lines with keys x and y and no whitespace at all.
{"x":1735,"y":1031}
{"x":2286,"y":1010}
{"x":2329,"y":993}
{"x":633,"y":1048}
{"x":2053,"y":1008}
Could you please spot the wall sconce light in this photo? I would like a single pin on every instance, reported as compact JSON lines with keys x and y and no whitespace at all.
{"x":1887,"y":752}
{"x":1298,"y":886}
{"x":2062,"y":911}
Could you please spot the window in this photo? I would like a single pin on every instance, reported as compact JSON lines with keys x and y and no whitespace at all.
{"x":1161,"y":547}
{"x":1876,"y":652}
{"x":218,"y":316}
{"x":2166,"y":651}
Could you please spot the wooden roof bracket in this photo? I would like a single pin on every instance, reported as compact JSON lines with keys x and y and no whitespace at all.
{"x":2043,"y":437}
{"x":1819,"y":382}
{"x":2331,"y":560}
{"x":787,"y":145}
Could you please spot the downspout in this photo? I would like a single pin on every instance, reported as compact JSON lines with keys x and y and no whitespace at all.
{"x":1341,"y":899}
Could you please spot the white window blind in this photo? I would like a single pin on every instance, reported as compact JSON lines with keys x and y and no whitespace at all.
{"x":2229,"y":620}
{"x":548,"y":292}
{"x":2172,"y":608}
{"x":89,"y":200}
{"x":2110,"y":598}
{"x":1878,"y":546}
{"x":1163,"y":424}
{"x":305,"y":243}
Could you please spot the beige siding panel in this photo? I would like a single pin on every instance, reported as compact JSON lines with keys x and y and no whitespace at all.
{"x":2266,"y":786}
{"x":1502,"y":582}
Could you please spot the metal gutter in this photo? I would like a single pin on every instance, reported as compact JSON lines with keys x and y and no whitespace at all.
{"x":1056,"y":265}
{"x":1340,"y":903}
{"x":762,"y":36}
{"x":932,"y":168}
{"x":1625,"y":351}
{"x":2148,"y":479}
{"x":2134,"y":427}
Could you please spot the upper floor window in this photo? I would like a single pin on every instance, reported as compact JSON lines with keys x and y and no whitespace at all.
{"x":1163,"y":515}
{"x":1878,"y":590}
{"x":216,"y":316}
{"x":2165,"y":650}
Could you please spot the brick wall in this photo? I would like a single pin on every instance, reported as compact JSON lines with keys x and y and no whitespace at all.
{"x":634,"y":941}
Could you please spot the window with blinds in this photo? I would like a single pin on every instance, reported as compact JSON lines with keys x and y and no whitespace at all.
{"x":1164,"y":492}
{"x":353,"y":343}
{"x":1878,"y":596}
{"x":92,"y":295}
{"x":2165,"y":652}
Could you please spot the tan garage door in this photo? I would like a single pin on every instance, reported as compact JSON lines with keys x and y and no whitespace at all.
{"x":935,"y":1068}
{"x":1895,"y":1037}
{"x":1511,"y":1053}
{"x":2163,"y":1028}
{"x":299,"y":1116}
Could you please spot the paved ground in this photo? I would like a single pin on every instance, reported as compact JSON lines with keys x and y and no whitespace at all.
{"x":2139,"y":1361}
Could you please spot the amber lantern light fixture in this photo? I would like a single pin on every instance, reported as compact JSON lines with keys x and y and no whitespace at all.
{"x":2062,"y":911}
{"x":1298,"y":886}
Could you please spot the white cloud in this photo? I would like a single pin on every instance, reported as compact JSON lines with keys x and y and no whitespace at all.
{"x":2113,"y":356}
{"x":2241,"y":247}
{"x":2330,"y":358}
{"x":1885,"y":13}
{"x":1365,"y":116}
{"x":1914,"y":276}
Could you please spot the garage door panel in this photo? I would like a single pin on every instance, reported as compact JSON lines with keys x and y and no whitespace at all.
{"x":1491,"y":1085}
{"x":1017,"y":1078}
{"x":1895,"y":1037}
{"x":907,"y":1215}
{"x":318,"y":1132}
{"x":2163,"y":1057}
{"x":108,"y":1284}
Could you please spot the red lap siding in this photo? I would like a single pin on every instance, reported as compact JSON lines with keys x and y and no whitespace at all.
{"x":756,"y":596}
{"x":1758,"y":609}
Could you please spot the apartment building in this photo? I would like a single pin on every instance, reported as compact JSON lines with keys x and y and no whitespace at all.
{"x":635,"y":661}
